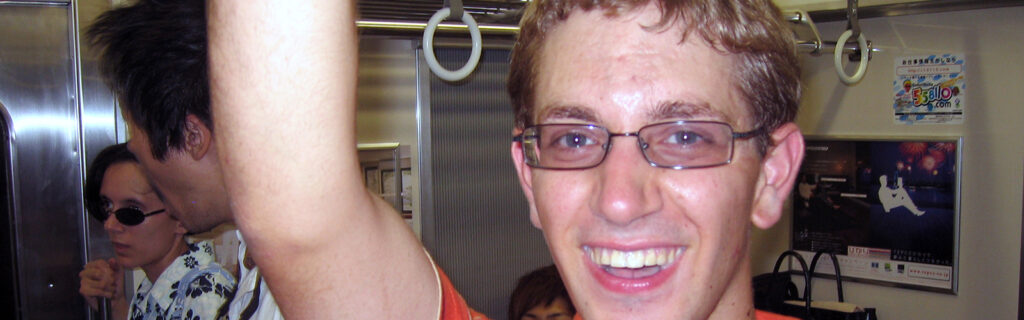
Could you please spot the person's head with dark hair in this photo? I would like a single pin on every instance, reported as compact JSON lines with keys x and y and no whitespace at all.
{"x":142,"y":234}
{"x":95,"y":204}
{"x":650,"y":135}
{"x":154,"y":58}
{"x":118,"y":194}
{"x":541,"y":295}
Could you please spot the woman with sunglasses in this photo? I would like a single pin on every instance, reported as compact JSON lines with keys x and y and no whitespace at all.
{"x":182,"y":281}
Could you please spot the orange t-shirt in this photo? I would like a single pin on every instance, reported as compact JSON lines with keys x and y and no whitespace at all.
{"x":453,"y":306}
{"x":765,"y":315}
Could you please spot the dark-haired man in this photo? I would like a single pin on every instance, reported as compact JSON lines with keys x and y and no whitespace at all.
{"x":155,"y":60}
{"x":649,"y":135}
{"x":540,"y":295}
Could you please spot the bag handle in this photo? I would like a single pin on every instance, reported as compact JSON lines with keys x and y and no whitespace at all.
{"x":807,"y":276}
{"x":835,"y":263}
{"x":192,"y":275}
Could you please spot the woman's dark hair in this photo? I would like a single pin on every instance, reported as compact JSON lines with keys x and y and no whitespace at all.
{"x":540,"y":287}
{"x":111,"y":155}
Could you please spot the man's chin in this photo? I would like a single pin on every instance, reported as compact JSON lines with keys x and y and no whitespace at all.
{"x":657,"y":303}
{"x":194,"y":229}
{"x":610,"y":311}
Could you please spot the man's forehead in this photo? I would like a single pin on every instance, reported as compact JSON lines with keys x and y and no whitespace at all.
{"x":138,"y":144}
{"x":593,"y":63}
{"x":664,"y":110}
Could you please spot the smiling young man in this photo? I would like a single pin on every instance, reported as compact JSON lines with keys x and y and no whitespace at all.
{"x":649,"y":135}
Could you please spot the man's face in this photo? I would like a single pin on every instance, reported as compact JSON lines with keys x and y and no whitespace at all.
{"x":688,"y":227}
{"x":556,"y":310}
{"x":182,"y":183}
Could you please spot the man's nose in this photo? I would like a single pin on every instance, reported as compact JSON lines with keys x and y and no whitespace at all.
{"x":627,"y":188}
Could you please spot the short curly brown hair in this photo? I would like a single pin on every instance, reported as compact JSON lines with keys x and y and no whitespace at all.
{"x":768,"y":76}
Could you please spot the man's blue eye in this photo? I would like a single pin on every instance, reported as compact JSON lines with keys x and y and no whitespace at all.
{"x":685,"y":138}
{"x":574,"y":140}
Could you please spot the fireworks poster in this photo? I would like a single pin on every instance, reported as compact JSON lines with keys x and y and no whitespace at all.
{"x":888,"y":208}
{"x":930,"y":89}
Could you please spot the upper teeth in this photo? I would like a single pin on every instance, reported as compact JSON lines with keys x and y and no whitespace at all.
{"x":633,"y":259}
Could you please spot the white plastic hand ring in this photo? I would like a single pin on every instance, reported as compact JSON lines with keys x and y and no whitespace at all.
{"x":861,"y":68}
{"x":428,"y":46}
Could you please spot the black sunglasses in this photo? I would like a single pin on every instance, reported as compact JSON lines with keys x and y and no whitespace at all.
{"x":129,"y":216}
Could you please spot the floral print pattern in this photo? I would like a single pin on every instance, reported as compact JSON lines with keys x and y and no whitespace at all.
{"x":202,"y":297}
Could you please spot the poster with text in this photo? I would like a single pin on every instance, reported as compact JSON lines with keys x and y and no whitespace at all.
{"x":889,"y":208}
{"x":930,"y":89}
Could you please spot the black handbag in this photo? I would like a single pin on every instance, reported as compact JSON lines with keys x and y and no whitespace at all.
{"x":772,"y":290}
{"x":806,"y":308}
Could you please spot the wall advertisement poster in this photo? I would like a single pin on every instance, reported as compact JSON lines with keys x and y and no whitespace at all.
{"x":889,"y":207}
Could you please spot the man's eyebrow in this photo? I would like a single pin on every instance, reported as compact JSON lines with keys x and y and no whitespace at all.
{"x":685,"y":110}
{"x":567,"y":112}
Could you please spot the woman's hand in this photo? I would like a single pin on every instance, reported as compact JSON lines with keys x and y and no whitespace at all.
{"x":101,"y":279}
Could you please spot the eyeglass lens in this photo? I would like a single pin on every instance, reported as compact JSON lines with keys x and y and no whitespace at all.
{"x":132,"y":216}
{"x":678,"y":145}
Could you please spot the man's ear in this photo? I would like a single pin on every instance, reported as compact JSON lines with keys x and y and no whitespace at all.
{"x":198,"y":137}
{"x":525,"y":177}
{"x":779,"y":169}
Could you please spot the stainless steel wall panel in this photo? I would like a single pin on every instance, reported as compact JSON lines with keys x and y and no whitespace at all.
{"x":482,"y":233}
{"x":101,"y":123}
{"x":8,"y":271}
{"x":38,"y":88}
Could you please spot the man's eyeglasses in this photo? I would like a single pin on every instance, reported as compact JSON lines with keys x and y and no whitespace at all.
{"x":128,"y":216}
{"x":673,"y":145}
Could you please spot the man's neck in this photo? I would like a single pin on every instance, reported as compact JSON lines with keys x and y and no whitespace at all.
{"x":737,"y":302}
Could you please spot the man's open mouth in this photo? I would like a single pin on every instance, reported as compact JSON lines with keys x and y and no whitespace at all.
{"x":633,"y":264}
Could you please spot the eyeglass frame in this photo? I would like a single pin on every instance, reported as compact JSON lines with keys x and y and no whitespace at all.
{"x":145,"y":215}
{"x":743,"y":135}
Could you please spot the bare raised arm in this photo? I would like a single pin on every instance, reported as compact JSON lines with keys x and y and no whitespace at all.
{"x":283,"y":77}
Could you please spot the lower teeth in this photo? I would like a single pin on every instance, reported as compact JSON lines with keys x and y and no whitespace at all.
{"x":631,"y":273}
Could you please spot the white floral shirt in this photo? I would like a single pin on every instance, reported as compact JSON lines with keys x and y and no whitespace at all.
{"x":203,"y":298}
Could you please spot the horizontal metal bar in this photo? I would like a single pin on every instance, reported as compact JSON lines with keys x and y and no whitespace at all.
{"x":36,"y":3}
{"x":377,"y":146}
{"x":922,"y":7}
{"x":829,"y":47}
{"x":808,"y":47}
{"x":405,"y":26}
{"x":506,"y":30}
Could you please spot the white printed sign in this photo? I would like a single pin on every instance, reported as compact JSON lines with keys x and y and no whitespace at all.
{"x":929,"y":89}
